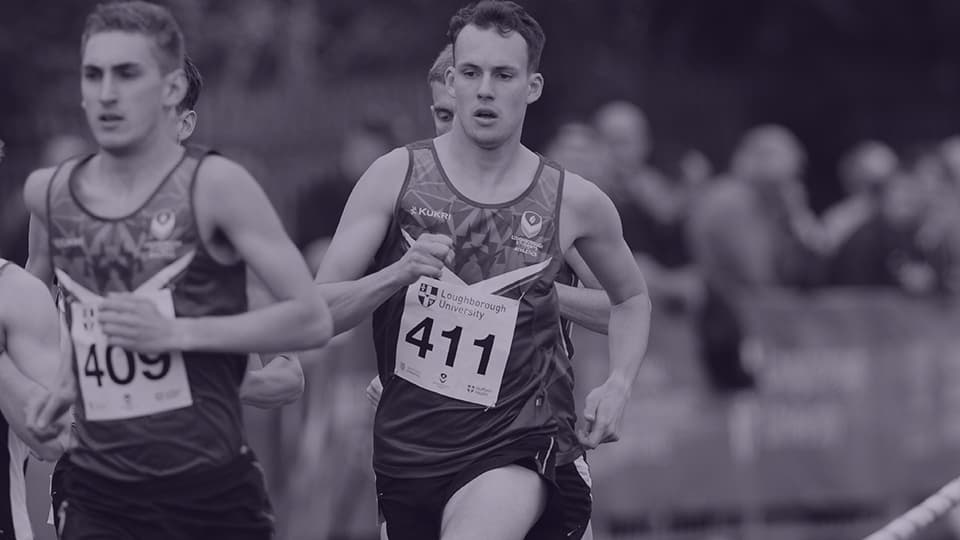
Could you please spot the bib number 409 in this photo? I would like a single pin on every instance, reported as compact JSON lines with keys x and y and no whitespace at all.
{"x":419,"y":337}
{"x":121,"y":366}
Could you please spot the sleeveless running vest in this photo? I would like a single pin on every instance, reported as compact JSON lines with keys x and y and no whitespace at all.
{"x":140,"y":416}
{"x":560,"y":393}
{"x":467,"y":360}
{"x":14,"y":520}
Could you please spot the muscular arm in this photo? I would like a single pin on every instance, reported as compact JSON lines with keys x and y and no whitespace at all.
{"x":238,"y":207}
{"x":599,"y":239}
{"x":587,"y":306}
{"x":606,"y":253}
{"x":362,"y":228}
{"x":33,"y":354}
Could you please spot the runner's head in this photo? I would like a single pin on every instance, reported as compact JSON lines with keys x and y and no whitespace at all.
{"x":443,"y":105}
{"x":496,"y":48}
{"x":186,"y":113}
{"x":132,"y":72}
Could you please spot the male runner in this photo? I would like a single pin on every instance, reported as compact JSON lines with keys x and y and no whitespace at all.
{"x":464,"y":431}
{"x":278,"y":383}
{"x":588,"y":307}
{"x":140,"y":232}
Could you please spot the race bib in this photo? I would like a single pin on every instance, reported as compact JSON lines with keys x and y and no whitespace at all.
{"x":455,"y":341}
{"x":118,"y":384}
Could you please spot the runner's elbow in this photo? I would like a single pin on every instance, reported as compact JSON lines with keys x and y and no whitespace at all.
{"x":318,"y":322}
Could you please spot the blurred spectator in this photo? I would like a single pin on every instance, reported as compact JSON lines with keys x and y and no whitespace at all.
{"x":651,"y":206}
{"x":319,"y":208}
{"x":754,"y":227}
{"x":864,"y":171}
{"x":578,"y":148}
{"x":749,"y":230}
{"x":888,"y":250}
{"x":694,"y":168}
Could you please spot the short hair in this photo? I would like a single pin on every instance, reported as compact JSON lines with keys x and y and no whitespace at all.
{"x":194,"y":86}
{"x":136,"y":16}
{"x":444,"y":61}
{"x":506,"y":17}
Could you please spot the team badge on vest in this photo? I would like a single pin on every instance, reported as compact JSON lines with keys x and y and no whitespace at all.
{"x":531,"y":223}
{"x":427,"y":295}
{"x":162,"y":245}
{"x":161,"y":227}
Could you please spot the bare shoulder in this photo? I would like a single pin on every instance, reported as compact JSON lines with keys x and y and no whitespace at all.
{"x":35,"y":190}
{"x":221,"y":173}
{"x":20,"y":288}
{"x":380,"y":185}
{"x":584,"y":198}
{"x":388,"y":169}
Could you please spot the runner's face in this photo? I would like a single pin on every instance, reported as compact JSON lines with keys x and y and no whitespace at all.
{"x":443,"y":108}
{"x":492,"y":85}
{"x":125,"y":95}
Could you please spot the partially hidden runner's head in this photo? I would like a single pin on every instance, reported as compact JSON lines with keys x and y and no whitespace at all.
{"x":186,"y":110}
{"x":132,"y":73}
{"x":443,"y":106}
{"x":496,"y":48}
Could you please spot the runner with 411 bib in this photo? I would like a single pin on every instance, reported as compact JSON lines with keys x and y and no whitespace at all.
{"x":461,"y":239}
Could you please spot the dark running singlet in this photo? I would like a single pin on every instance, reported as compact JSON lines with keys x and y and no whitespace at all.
{"x":466,"y":360}
{"x":138,"y":416}
{"x":560,"y":392}
{"x":14,"y":520}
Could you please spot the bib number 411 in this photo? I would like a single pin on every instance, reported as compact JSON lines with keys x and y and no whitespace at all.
{"x":419,"y":337}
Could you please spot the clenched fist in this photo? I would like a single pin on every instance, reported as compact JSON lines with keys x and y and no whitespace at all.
{"x":426,"y":256}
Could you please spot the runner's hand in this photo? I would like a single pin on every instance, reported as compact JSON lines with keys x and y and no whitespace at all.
{"x":603,"y":412}
{"x":374,"y":391}
{"x":46,"y":413}
{"x":135,"y":324}
{"x":426,"y":257}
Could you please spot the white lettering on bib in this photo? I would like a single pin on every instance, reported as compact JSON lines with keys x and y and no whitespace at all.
{"x":118,"y":384}
{"x":455,"y":341}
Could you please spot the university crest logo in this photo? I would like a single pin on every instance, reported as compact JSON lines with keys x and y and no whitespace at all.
{"x":531,"y":223}
{"x":427,"y":294}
